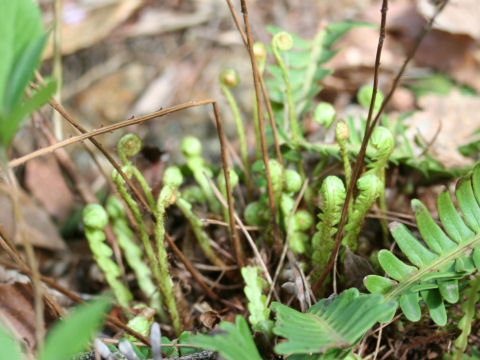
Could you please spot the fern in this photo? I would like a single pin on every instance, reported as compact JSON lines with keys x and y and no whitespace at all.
{"x":465,"y":324}
{"x":305,"y":60}
{"x":257,"y":302}
{"x":234,"y":343}
{"x":332,"y":326}
{"x":403,"y":152}
{"x":333,"y":193}
{"x":370,"y":187}
{"x":132,"y":252}
{"x":450,"y":254}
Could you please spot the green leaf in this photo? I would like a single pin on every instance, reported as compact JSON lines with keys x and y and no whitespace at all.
{"x":298,"y":58}
{"x":22,"y":72}
{"x":8,"y":11}
{"x":9,"y":347}
{"x":338,"y":29}
{"x":8,"y":127}
{"x":169,"y":350}
{"x":430,"y":231}
{"x":378,"y":284}
{"x":71,"y":335}
{"x":468,"y":204}
{"x":22,"y":40}
{"x":234,"y":343}
{"x":451,"y":219}
{"x":449,"y":290}
{"x":436,"y":84}
{"x":410,"y":306}
{"x":468,"y":307}
{"x":336,"y":322}
{"x":450,"y":256}
{"x":435,"y":305}
{"x":184,"y":338}
{"x":418,"y":254}
{"x":393,"y":266}
{"x":21,"y":34}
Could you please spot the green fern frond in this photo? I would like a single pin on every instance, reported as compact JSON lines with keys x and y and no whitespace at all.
{"x":370,"y":187}
{"x":383,"y":142}
{"x":449,"y":254}
{"x":235,"y":342}
{"x":332,"y":326}
{"x":257,"y":302}
{"x":305,"y":64}
{"x":465,"y":324}
{"x":333,"y":193}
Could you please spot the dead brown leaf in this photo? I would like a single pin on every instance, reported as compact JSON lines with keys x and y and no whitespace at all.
{"x":356,"y":268}
{"x":87,"y":23}
{"x":209,"y":319}
{"x":458,"y":16}
{"x":456,"y":117}
{"x":39,"y":228}
{"x":358,"y":49}
{"x":452,"y":47}
{"x":17,"y":307}
{"x":45,"y":182}
{"x":110,"y":98}
{"x":154,"y":21}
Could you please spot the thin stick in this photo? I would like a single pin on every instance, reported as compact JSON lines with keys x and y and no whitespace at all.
{"x":10,"y":247}
{"x":266,"y":97}
{"x":285,"y":246}
{"x":7,"y":245}
{"x":53,"y":284}
{"x":369,"y":130}
{"x":61,"y":110}
{"x":247,"y":235}
{"x":391,"y":218}
{"x":379,"y":341}
{"x":256,"y":76}
{"x":32,"y":262}
{"x":359,"y":162}
{"x":224,"y":224}
{"x":46,"y":150}
{"x":231,"y":211}
{"x":57,"y":65}
{"x":190,"y":268}
{"x":80,"y":185}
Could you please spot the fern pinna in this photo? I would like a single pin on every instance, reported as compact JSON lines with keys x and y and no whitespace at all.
{"x":447,"y":254}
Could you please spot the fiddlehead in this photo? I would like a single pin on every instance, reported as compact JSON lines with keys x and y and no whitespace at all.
{"x":283,"y":41}
{"x":95,"y":219}
{"x":324,"y":114}
{"x":192,"y":150}
{"x":128,"y":146}
{"x":230,"y":79}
